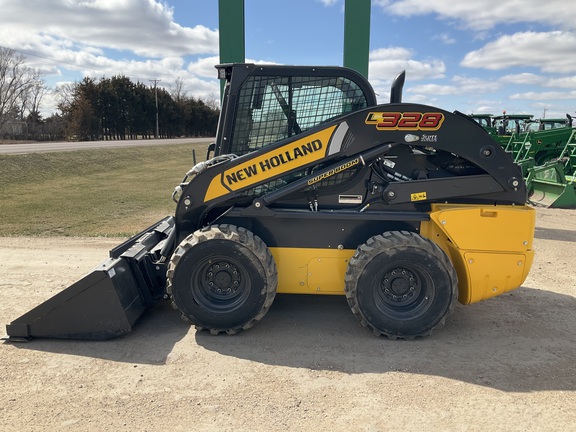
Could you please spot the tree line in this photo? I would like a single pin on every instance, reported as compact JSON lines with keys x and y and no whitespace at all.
{"x":97,"y":109}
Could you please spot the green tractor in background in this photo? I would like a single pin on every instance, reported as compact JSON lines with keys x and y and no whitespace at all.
{"x":545,"y":149}
{"x":550,"y":123}
{"x":509,"y":125}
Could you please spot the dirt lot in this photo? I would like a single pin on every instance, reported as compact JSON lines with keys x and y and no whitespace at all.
{"x":507,"y":364}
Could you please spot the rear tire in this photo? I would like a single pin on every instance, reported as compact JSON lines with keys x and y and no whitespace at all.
{"x":401,"y":285}
{"x":222,"y":278}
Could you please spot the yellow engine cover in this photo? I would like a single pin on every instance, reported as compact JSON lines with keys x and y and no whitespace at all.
{"x":489,"y":246}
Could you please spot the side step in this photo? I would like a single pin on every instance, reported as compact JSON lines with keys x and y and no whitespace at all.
{"x":107,"y":302}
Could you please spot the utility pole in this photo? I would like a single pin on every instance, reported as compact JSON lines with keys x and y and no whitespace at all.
{"x":156,"y":81}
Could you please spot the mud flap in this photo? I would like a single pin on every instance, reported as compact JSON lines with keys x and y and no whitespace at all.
{"x":107,"y":302}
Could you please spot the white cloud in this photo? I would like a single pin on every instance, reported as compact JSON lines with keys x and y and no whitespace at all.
{"x":531,"y":79}
{"x":445,"y":39}
{"x":460,"y":85}
{"x":486,"y":107}
{"x":475,"y":85}
{"x":549,"y":51}
{"x":545,"y":96}
{"x":386,"y":63}
{"x":204,"y":67}
{"x":390,"y":53}
{"x":434,"y":89}
{"x":96,"y":38}
{"x":552,"y":52}
{"x":523,"y":79}
{"x":421,"y":99}
{"x":563,"y":82}
{"x":485,"y":14}
{"x":143,"y":27}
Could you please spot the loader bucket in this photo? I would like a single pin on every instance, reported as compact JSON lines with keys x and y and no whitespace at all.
{"x":555,"y":195}
{"x":107,"y":302}
{"x":550,"y":187}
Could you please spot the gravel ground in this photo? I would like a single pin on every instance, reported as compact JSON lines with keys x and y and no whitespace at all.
{"x":506,"y":364}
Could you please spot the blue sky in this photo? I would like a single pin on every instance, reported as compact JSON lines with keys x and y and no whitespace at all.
{"x":472,"y":56}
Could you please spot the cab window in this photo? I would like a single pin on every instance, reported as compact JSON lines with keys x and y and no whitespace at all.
{"x":272,"y":108}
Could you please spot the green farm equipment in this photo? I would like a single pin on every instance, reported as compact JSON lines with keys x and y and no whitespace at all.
{"x":484,"y":120}
{"x":540,"y":146}
{"x":509,"y":125}
{"x":550,"y":123}
{"x":545,"y":149}
{"x":487,"y":123}
{"x":552,"y":183}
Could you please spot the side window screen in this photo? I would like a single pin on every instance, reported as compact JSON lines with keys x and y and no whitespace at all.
{"x":273,"y":108}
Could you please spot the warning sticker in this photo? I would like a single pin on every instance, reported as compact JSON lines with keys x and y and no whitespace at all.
{"x":418,"y":196}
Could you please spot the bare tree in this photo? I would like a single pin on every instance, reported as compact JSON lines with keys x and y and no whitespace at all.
{"x":31,"y":100}
{"x":177,"y":92}
{"x":17,"y":82}
{"x":65,"y":96}
{"x":213,"y":102}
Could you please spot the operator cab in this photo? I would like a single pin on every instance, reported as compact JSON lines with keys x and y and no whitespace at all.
{"x":265,"y":103}
{"x":509,"y":124}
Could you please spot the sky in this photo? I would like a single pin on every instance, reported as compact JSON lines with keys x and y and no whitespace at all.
{"x":486,"y":56}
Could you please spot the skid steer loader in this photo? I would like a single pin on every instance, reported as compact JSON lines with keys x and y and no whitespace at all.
{"x":313,"y":188}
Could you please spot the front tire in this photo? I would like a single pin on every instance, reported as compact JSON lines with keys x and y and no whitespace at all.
{"x":401,"y":285}
{"x":222,"y":278}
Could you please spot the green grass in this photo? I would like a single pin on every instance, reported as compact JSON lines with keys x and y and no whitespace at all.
{"x":104,"y":192}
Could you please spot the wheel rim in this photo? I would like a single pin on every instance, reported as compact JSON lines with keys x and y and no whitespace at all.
{"x":220,"y":284}
{"x":401,"y":289}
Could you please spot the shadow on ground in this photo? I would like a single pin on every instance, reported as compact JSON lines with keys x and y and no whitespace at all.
{"x":150,"y":342}
{"x":519,"y":342}
{"x":555,"y":234}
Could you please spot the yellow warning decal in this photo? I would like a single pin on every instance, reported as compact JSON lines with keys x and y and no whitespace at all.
{"x":275,"y":162}
{"x":418,"y":196}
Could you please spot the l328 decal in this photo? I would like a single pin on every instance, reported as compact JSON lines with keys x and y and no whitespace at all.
{"x":430,"y":121}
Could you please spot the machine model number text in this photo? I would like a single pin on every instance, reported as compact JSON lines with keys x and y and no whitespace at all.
{"x":429,"y":121}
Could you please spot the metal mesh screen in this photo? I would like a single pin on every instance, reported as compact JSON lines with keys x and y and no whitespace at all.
{"x":273,"y":108}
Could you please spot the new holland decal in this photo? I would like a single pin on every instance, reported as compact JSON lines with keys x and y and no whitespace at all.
{"x":270,"y":164}
{"x":430,"y":121}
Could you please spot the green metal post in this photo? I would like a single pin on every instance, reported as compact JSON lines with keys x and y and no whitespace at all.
{"x":231,"y":23}
{"x":357,"y":35}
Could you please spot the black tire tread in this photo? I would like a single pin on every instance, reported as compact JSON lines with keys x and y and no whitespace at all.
{"x":238,"y":235}
{"x":394,"y":240}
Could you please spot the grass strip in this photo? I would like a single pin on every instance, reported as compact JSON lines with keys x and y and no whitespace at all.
{"x":100,"y":192}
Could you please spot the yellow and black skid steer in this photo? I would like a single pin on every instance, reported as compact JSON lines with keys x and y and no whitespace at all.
{"x":312,"y":187}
